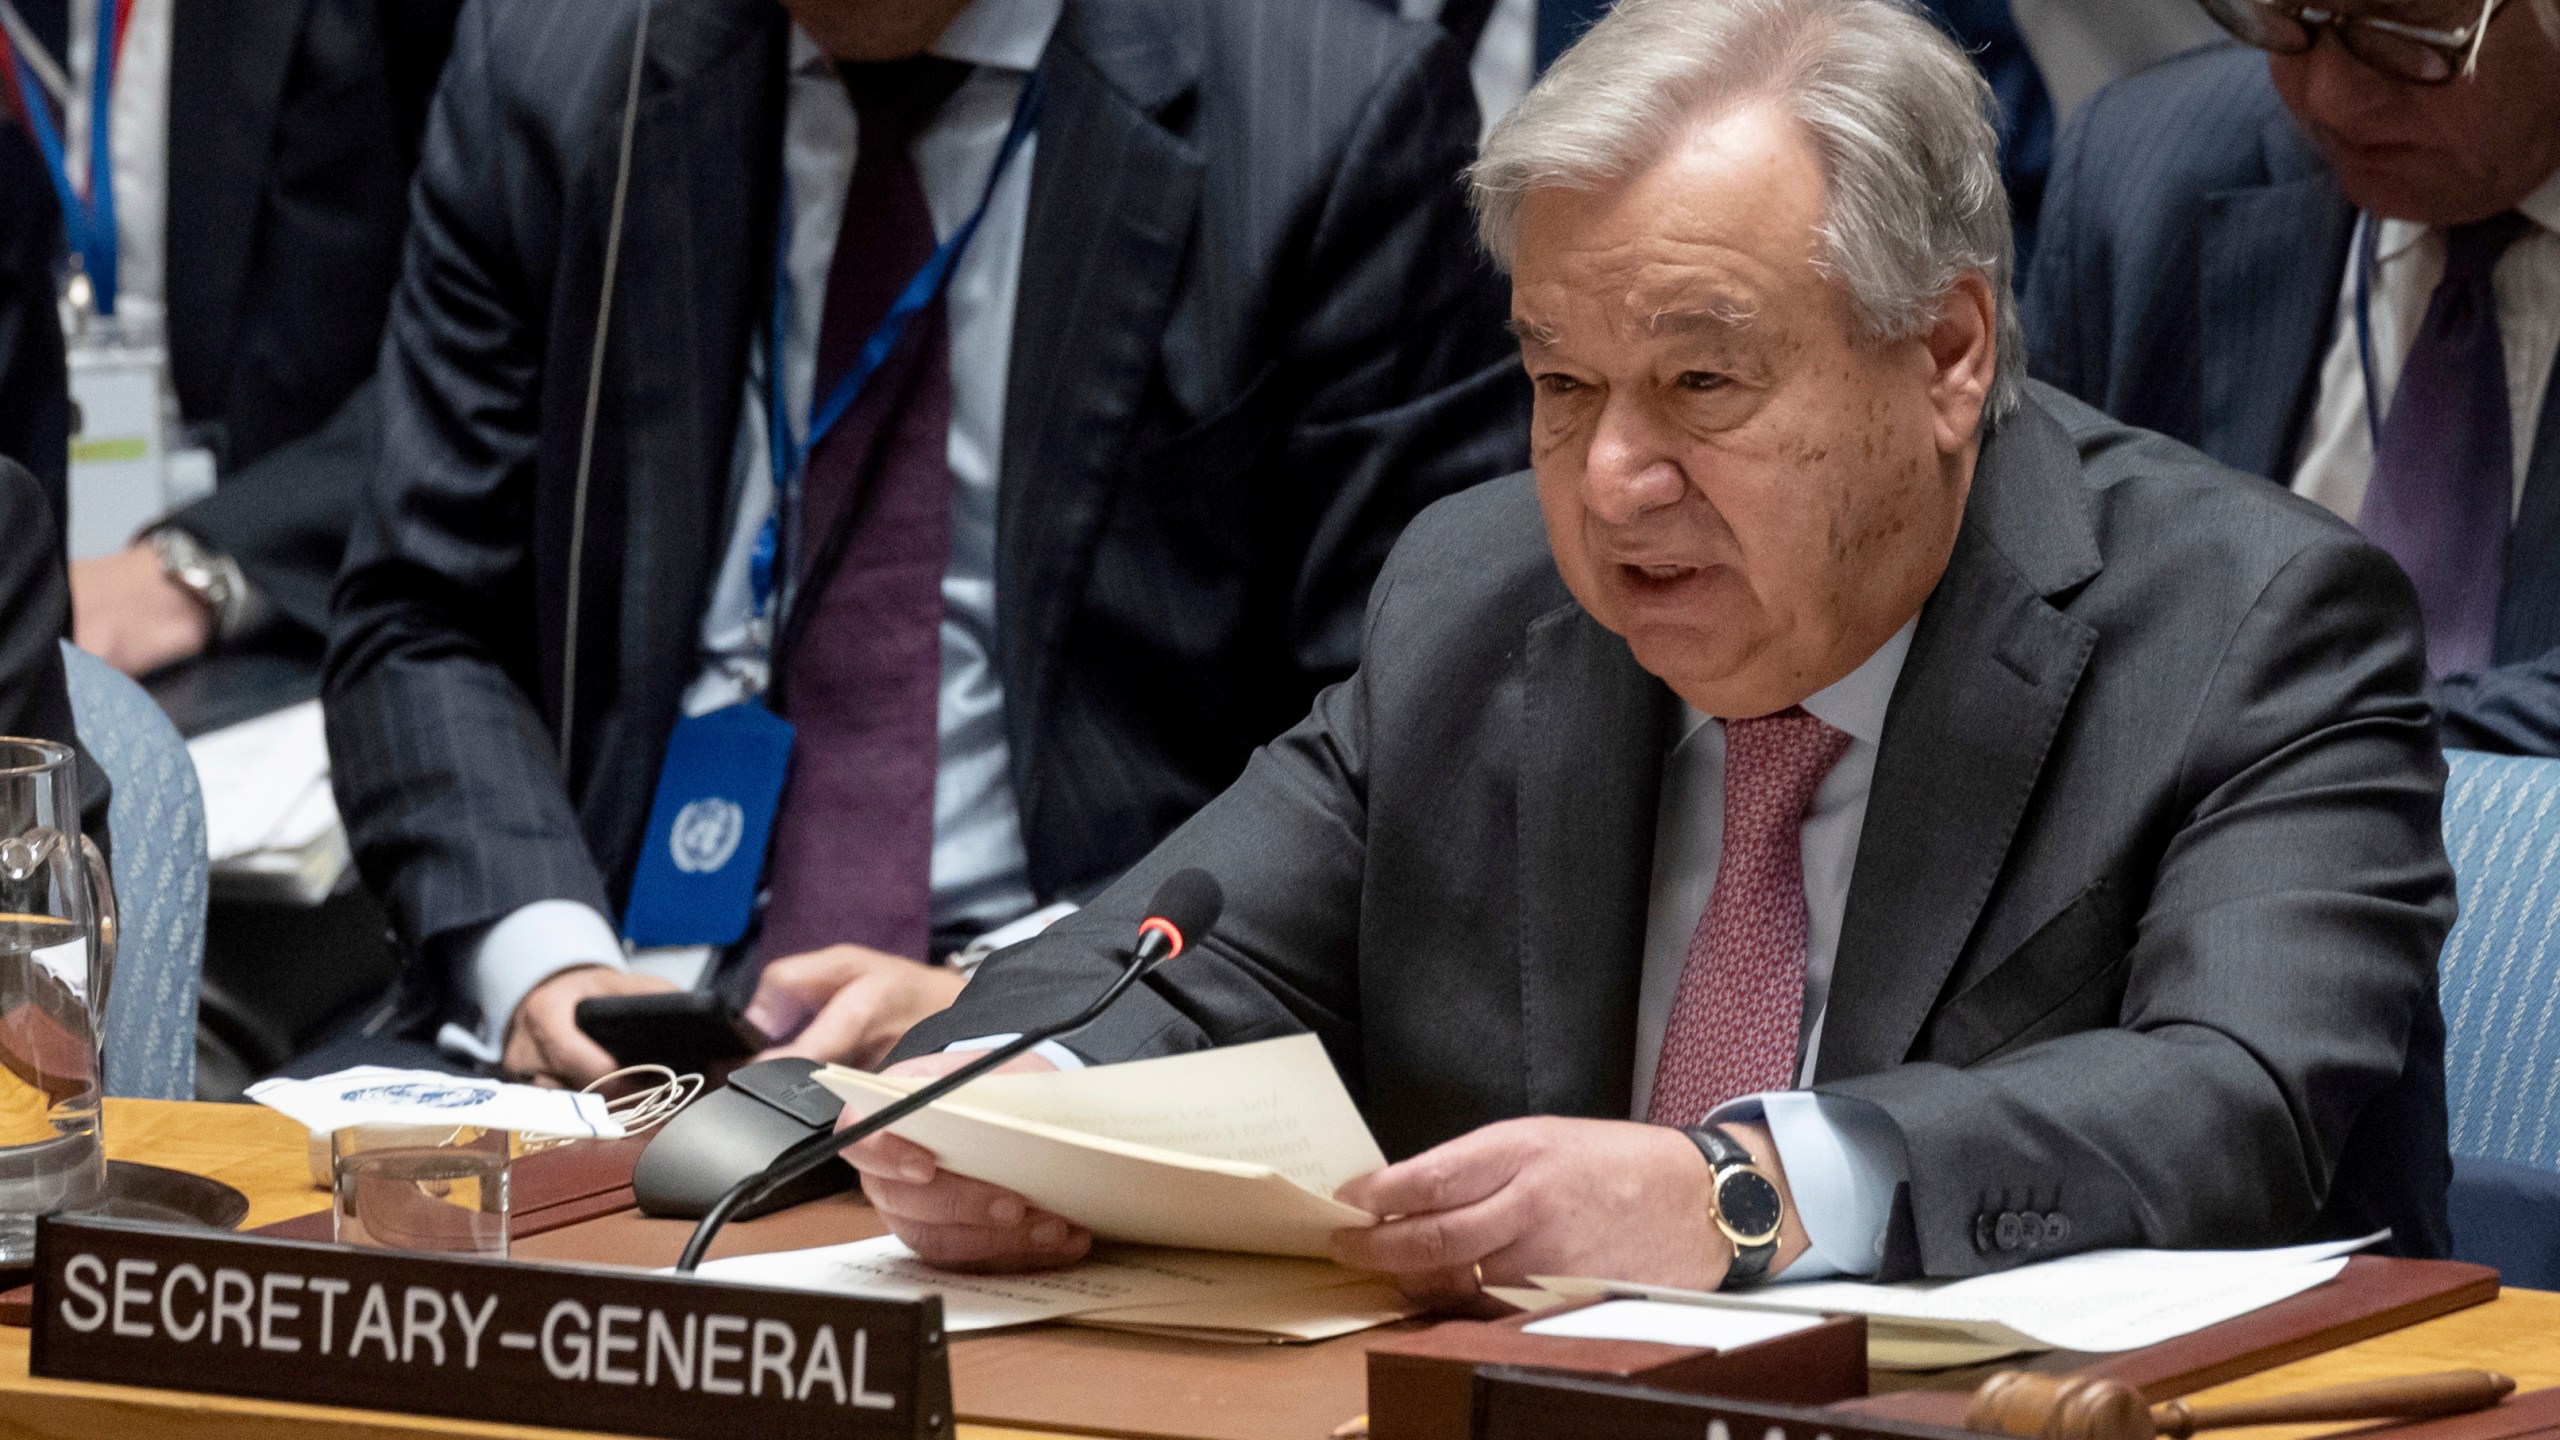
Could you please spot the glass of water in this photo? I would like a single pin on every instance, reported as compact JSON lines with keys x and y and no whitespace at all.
{"x":57,"y":951}
{"x":438,"y":1188}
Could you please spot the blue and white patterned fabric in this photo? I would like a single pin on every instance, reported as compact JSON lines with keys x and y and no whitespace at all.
{"x":157,"y":822}
{"x":2500,"y":983}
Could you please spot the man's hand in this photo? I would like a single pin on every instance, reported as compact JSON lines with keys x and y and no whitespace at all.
{"x":543,"y":1038}
{"x":847,"y":1003}
{"x":1547,"y":1196}
{"x":127,"y":612}
{"x":949,"y":1220}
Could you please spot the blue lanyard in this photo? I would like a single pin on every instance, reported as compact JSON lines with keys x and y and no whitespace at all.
{"x":2364,"y":261}
{"x":90,"y":228}
{"x":922,"y":289}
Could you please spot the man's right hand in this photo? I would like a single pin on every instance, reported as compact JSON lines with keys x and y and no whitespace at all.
{"x":951,"y":1221}
{"x":543,"y":1038}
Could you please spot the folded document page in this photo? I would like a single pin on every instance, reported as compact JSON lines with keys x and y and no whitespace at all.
{"x":1191,"y":1292}
{"x":1232,"y":1149}
{"x":2100,"y":1302}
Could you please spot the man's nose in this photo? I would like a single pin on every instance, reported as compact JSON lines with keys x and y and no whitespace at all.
{"x":1631,"y":467}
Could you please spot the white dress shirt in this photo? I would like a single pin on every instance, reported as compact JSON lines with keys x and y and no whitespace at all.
{"x":2337,"y":451}
{"x":980,"y":872}
{"x":1843,"y":1158}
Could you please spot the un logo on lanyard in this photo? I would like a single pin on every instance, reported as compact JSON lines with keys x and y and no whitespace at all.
{"x":705,"y":834}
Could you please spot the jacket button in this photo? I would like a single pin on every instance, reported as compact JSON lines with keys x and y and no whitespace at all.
{"x":2007,"y":1230}
{"x":1982,"y":1232}
{"x":2057,"y":1227}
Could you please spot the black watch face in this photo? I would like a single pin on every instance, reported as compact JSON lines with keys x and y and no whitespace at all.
{"x":1748,"y":1203}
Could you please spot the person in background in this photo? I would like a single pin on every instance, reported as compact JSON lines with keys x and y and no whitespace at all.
{"x":35,"y":608}
{"x":1217,"y":332}
{"x":262,"y":156}
{"x":1512,"y":42}
{"x":35,"y":404}
{"x":2331,"y":255}
{"x":1850,"y":809}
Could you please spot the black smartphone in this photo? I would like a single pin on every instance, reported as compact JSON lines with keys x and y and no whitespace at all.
{"x":680,"y":1029}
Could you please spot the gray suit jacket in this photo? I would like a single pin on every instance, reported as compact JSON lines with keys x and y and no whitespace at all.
{"x":2143,"y":929}
{"x":1253,"y":340}
{"x":2187,"y":282}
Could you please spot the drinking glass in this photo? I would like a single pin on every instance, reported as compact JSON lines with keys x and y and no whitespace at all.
{"x":438,"y":1188}
{"x":57,"y":954}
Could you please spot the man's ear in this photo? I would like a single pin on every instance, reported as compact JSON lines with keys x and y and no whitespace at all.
{"x":1964,"y":349}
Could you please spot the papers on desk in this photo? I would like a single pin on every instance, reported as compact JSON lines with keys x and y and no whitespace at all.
{"x":2100,"y":1302}
{"x":270,"y":822}
{"x":1250,"y":1298}
{"x":1234,"y":1149}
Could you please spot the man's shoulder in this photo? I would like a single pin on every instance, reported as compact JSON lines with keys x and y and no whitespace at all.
{"x":1476,"y":561}
{"x":2184,"y":128}
{"x":2164,"y":508}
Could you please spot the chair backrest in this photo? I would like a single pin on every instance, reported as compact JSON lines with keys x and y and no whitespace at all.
{"x":2501,"y":969}
{"x":157,"y":822}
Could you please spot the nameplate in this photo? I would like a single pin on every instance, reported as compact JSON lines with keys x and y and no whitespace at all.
{"x":478,"y":1339}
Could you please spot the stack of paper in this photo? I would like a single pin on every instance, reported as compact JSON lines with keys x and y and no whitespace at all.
{"x":269,"y":818}
{"x":1236,"y":1149}
{"x":2100,"y":1302}
{"x":1199,"y":1294}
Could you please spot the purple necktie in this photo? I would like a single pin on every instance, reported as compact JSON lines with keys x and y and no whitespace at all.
{"x":2441,"y":496}
{"x":860,"y":674}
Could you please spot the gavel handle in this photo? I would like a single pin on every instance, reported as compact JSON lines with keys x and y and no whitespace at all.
{"x":2409,"y":1397}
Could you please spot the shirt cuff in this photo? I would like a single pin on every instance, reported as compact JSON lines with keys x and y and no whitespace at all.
{"x":1049,"y":1050}
{"x":1843,"y":1159}
{"x":532,"y":944}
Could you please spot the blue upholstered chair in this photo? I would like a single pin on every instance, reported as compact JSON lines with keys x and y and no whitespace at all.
{"x":2501,"y":989}
{"x":157,"y":824}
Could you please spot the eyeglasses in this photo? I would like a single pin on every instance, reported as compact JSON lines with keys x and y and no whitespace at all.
{"x":2412,"y":53}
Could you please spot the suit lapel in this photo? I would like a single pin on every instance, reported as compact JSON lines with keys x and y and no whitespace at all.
{"x":2529,"y":607}
{"x":1114,"y":196}
{"x":1991,"y":671}
{"x":2267,"y":293}
{"x":1594,"y":726}
{"x":228,"y":64}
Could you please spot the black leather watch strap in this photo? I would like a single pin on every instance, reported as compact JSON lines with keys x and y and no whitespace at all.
{"x":1729,"y":1163}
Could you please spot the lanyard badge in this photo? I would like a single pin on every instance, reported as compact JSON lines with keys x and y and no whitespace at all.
{"x":722,"y":781}
{"x":88,"y":221}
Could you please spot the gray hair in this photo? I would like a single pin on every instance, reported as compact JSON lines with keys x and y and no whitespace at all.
{"x":1902,"y":120}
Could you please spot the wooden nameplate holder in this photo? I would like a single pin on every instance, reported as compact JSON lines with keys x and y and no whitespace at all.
{"x":1420,"y":1385}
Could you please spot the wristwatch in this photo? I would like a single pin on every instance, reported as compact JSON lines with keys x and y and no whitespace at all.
{"x":1744,"y":1203}
{"x":212,"y":581}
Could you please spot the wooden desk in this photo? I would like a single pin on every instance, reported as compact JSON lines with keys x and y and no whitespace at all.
{"x":262,"y":1154}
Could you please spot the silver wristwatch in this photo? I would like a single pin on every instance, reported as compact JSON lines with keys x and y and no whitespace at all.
{"x":214,"y":581}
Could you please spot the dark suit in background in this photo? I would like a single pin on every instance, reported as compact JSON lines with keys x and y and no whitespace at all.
{"x":35,"y":399}
{"x":35,"y":613}
{"x":293,"y":129}
{"x":1252,"y":339}
{"x":2143,"y":927}
{"x":2187,"y":282}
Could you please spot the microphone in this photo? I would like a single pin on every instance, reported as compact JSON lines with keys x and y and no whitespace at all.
{"x":1184,"y":909}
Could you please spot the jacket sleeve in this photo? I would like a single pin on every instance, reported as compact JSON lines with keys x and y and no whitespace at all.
{"x":2284,"y":956}
{"x":444,"y":768}
{"x":284,"y":515}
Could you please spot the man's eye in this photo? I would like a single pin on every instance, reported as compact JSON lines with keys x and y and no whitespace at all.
{"x":1701,"y":380}
{"x":1555,"y":384}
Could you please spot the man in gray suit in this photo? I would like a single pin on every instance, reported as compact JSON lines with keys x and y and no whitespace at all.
{"x":1851,"y":809}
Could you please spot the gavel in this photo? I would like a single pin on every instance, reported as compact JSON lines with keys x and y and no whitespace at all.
{"x":2085,"y":1407}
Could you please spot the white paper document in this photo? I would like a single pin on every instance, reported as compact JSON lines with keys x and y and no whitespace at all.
{"x":1705,"y":1327}
{"x":2100,"y":1302}
{"x":265,"y":783}
{"x":1255,"y":1296}
{"x":1235,"y":1149}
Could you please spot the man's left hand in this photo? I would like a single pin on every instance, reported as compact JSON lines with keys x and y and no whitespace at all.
{"x":1549,"y":1196}
{"x":847,"y":1004}
{"x":126,"y":611}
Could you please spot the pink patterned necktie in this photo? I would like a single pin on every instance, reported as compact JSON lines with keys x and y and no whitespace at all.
{"x":1740,"y":1005}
